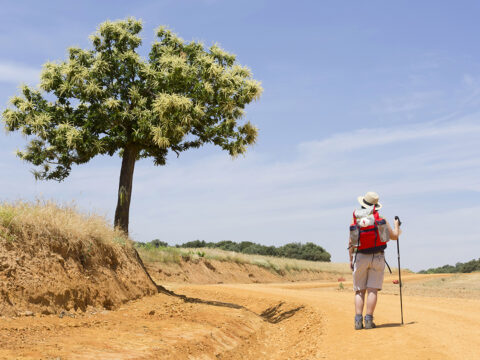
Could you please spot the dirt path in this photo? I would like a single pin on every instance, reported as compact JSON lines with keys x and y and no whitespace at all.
{"x":303,"y":321}
{"x":435,"y":328}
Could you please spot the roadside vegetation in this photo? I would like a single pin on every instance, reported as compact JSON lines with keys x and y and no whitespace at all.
{"x":468,"y":267}
{"x":151,"y":253}
{"x":308,"y":251}
{"x":48,"y":222}
{"x":458,"y":285}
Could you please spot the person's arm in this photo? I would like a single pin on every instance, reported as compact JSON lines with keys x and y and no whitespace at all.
{"x":350,"y":253}
{"x":394,"y":233}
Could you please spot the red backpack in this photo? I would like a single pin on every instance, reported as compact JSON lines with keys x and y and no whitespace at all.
{"x":368,"y":230}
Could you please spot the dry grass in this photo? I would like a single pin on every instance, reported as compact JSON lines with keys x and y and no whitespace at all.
{"x":275,"y":264}
{"x":443,"y":285}
{"x":47,"y":220}
{"x":160,"y":255}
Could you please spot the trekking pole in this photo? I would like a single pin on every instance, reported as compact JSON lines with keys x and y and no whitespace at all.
{"x":399,"y":271}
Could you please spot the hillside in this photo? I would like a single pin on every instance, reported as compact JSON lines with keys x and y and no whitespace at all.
{"x":213,"y":266}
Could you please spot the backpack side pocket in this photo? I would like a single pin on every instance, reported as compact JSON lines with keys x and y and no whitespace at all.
{"x":383,"y":231}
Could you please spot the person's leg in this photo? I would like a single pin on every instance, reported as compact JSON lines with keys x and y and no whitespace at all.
{"x":374,"y":284}
{"x":371,"y":303}
{"x":359,"y":302}
{"x":371,"y":300}
{"x":359,"y":286}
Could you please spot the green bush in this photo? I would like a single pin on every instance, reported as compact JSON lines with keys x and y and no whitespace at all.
{"x":468,"y":267}
{"x":152,"y":244}
{"x":308,"y":251}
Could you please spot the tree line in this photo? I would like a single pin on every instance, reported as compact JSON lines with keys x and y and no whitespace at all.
{"x":295,"y":250}
{"x":468,"y":267}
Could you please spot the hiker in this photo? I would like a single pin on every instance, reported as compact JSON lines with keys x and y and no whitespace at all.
{"x":369,"y":234}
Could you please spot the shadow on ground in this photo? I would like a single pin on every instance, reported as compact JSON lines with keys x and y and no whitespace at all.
{"x":389,"y":325}
{"x":273,"y":315}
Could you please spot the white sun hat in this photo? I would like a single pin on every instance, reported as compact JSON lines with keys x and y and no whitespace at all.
{"x":370,"y":199}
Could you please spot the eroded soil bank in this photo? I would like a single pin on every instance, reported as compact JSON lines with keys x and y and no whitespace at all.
{"x":48,"y":277}
{"x":208,"y":271}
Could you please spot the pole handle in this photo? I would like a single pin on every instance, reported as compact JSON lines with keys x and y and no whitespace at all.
{"x":399,"y":222}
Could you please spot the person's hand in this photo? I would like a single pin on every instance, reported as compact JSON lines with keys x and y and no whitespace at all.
{"x":351,"y":265}
{"x":397,"y":221}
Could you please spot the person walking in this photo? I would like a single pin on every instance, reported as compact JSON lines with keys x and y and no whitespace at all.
{"x":369,"y":234}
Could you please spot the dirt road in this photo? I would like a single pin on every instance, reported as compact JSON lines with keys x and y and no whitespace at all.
{"x":278,"y":321}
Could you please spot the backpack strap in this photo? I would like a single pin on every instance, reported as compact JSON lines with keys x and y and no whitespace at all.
{"x":387,"y":265}
{"x":354,"y":223}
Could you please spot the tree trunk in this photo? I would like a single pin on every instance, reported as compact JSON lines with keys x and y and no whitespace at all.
{"x":125,"y":188}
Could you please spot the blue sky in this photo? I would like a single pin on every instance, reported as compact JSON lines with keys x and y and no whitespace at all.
{"x":358,"y":96}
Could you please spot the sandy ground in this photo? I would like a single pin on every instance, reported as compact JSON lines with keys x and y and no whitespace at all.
{"x":279,"y":321}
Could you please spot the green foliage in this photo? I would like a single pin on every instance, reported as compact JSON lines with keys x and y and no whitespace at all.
{"x":308,"y":251}
{"x":108,"y":98}
{"x":159,"y":254}
{"x":152,"y":244}
{"x":7,"y":213}
{"x":468,"y":267}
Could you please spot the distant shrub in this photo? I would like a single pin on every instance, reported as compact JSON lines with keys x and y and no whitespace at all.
{"x":308,"y":251}
{"x":468,"y":267}
{"x":194,"y":244}
{"x":152,"y":244}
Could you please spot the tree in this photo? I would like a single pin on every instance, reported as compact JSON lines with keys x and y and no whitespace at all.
{"x":110,"y":100}
{"x":158,"y":243}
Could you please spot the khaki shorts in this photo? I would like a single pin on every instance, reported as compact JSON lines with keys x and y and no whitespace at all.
{"x":368,"y":271}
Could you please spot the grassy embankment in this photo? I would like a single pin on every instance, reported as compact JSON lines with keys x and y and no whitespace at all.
{"x":55,"y":258}
{"x":47,"y":221}
{"x":173,"y":255}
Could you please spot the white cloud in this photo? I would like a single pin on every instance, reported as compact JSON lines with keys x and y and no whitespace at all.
{"x":401,"y":104}
{"x":17,"y":73}
{"x":368,"y":138}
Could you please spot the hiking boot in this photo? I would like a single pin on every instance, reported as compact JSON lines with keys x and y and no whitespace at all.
{"x":369,"y":324}
{"x":358,"y":324}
